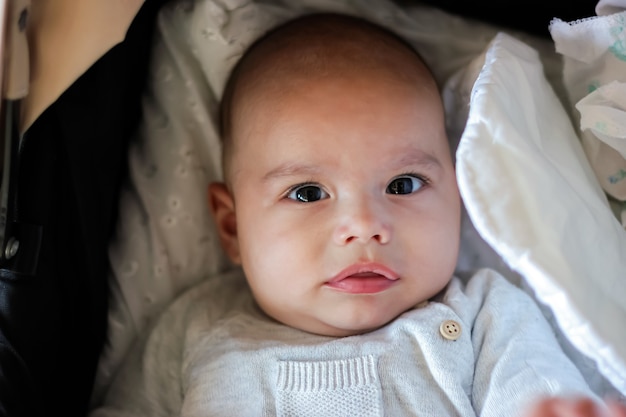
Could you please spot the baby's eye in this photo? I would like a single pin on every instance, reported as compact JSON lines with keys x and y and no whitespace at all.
{"x":405,"y":184}
{"x":307,"y":193}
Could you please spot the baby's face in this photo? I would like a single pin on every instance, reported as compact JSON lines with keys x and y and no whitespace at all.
{"x":346,"y":204}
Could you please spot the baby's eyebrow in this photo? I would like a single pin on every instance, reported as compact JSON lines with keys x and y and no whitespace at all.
{"x":408,"y":157}
{"x":417,"y":157}
{"x":288,"y":169}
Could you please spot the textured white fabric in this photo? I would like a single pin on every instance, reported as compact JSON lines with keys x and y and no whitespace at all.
{"x":594,"y":74}
{"x":339,"y":387}
{"x":532,"y":195}
{"x":213,"y":353}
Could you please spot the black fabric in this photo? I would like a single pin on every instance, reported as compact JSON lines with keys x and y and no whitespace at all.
{"x":53,"y":307}
{"x":532,"y":17}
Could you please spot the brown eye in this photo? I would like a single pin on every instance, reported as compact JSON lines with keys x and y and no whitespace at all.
{"x":307,"y":193}
{"x":405,"y":184}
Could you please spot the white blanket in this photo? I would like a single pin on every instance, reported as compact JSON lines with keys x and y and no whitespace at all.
{"x":532,"y":195}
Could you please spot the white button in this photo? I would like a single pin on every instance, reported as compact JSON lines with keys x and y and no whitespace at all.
{"x":450,"y":329}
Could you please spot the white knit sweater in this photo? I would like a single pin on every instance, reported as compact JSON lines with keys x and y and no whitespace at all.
{"x":213,"y":353}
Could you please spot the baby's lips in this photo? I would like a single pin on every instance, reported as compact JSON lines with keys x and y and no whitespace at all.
{"x":365,"y":269}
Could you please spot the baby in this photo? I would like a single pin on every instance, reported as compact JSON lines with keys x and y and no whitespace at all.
{"x":340,"y":198}
{"x":340,"y":203}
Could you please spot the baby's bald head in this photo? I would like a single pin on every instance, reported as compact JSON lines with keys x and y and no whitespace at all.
{"x":319,"y":46}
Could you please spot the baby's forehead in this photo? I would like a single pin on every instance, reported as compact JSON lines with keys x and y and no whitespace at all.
{"x":311,"y":49}
{"x":328,"y":46}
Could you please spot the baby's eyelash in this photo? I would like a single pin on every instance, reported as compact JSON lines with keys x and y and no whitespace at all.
{"x":299,"y":185}
{"x":420,"y":177}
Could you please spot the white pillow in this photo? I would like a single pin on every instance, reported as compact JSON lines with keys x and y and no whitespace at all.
{"x":532,"y":195}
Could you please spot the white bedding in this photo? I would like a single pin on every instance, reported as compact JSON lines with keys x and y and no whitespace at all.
{"x":532,"y":195}
{"x":536,"y":209}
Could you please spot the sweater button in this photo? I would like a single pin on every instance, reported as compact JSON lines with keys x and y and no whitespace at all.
{"x":450,"y":329}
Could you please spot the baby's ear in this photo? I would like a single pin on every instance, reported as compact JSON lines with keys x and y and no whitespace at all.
{"x":222,"y":207}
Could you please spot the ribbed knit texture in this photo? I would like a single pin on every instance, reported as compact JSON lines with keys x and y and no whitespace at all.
{"x":322,"y":388}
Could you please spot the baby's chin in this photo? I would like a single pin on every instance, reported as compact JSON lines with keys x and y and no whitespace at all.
{"x":342,"y":316}
{"x":341,"y":328}
{"x":333,"y":331}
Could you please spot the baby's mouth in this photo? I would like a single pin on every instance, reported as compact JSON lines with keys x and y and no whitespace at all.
{"x":368,"y":278}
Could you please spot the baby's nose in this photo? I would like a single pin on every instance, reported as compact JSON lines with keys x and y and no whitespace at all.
{"x":363,"y":222}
